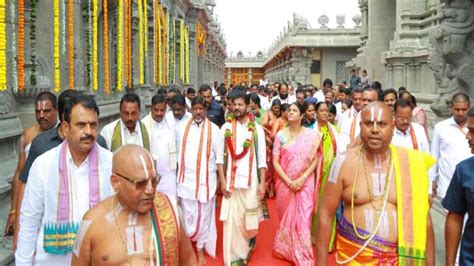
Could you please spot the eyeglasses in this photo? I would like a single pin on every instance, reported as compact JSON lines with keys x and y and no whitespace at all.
{"x":403,"y":119}
{"x":141,"y":184}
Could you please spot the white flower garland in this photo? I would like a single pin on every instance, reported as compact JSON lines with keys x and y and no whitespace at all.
{"x":13,"y":47}
{"x":63,"y":27}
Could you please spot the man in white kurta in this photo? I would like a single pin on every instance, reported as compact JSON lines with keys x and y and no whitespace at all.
{"x":351,"y":127}
{"x":241,"y":211}
{"x":162,"y":133}
{"x":63,"y":184}
{"x":448,"y":144}
{"x":406,"y":133}
{"x":127,"y":129}
{"x":199,"y":146}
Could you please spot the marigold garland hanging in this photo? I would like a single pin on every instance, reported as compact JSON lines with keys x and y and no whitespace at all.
{"x":164,"y":21}
{"x":156,"y":43}
{"x":201,"y":39}
{"x":95,"y":44}
{"x":168,"y":50}
{"x":3,"y":46}
{"x":106,"y":48}
{"x":34,"y":4}
{"x":181,"y":51}
{"x":145,"y":35}
{"x":57,"y":71}
{"x":13,"y":45}
{"x":128,"y":44}
{"x":89,"y":44}
{"x":71,"y":42}
{"x":186,"y":50}
{"x":140,"y":42}
{"x":120,"y":46}
{"x":21,"y":45}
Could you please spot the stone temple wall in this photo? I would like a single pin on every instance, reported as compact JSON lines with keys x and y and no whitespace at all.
{"x":206,"y":64}
{"x":424,"y":45}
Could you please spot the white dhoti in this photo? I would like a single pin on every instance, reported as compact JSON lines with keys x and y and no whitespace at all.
{"x":200,"y":223}
{"x":167,"y":185}
{"x":237,"y":242}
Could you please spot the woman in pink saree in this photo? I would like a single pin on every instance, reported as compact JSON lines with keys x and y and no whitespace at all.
{"x":295,"y":160}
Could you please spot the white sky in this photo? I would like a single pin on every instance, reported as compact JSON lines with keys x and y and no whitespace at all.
{"x":252,"y":25}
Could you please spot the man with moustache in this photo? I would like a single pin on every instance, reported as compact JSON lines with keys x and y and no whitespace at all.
{"x":63,"y":184}
{"x":448,"y":143}
{"x":137,"y":225}
{"x":178,"y":106}
{"x":161,"y":130}
{"x":459,"y":200}
{"x":283,"y":95}
{"x":350,"y":129}
{"x":128,"y":129}
{"x":243,"y":184}
{"x":199,"y":146}
{"x":44,"y":142}
{"x":406,"y":133}
{"x":215,"y":111}
{"x":384,"y":190}
{"x":356,"y":97}
{"x":46,"y":115}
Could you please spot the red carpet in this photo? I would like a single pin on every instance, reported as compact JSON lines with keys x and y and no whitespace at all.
{"x":265,"y":238}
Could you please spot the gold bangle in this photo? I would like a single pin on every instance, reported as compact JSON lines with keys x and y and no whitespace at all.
{"x":12,"y":212}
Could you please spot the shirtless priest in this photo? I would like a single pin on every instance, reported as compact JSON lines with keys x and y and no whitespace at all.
{"x":386,"y":203}
{"x":136,"y":226}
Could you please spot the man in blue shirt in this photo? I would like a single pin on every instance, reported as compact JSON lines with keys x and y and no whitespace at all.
{"x":459,"y":200}
{"x":215,"y":111}
{"x":355,"y":79}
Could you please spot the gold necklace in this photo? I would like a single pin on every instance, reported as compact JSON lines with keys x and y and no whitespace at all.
{"x":354,"y":226}
{"x":122,"y":242}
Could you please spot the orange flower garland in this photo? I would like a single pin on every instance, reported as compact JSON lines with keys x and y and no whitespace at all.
{"x":21,"y":45}
{"x":106,"y":49}
{"x":71,"y":42}
{"x":3,"y":46}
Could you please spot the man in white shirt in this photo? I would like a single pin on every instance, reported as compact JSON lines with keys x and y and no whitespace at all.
{"x":449,"y":145}
{"x":283,"y":95}
{"x":162,"y":130}
{"x":406,"y":133}
{"x":199,"y":146}
{"x":351,"y":128}
{"x":190,"y":94}
{"x":356,"y":97}
{"x":128,"y":129}
{"x":63,"y":184}
{"x":178,"y":107}
{"x":243,"y":186}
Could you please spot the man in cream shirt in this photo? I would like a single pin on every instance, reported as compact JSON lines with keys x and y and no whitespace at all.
{"x":162,"y":130}
{"x":128,"y":129}
{"x":406,"y":133}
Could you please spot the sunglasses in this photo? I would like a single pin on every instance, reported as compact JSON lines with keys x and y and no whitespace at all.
{"x":141,"y":184}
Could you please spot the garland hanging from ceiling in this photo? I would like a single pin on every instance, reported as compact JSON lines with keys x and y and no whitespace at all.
{"x":95,"y":44}
{"x":140,"y":42}
{"x":106,"y":48}
{"x":119,"y":66}
{"x":71,"y":42}
{"x":13,"y":46}
{"x":3,"y":46}
{"x":57,"y":70}
{"x":21,"y":45}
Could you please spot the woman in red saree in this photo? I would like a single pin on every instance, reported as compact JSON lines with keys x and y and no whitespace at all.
{"x":295,"y":160}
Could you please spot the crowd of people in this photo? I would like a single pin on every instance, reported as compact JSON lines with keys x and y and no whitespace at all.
{"x":350,"y":168}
